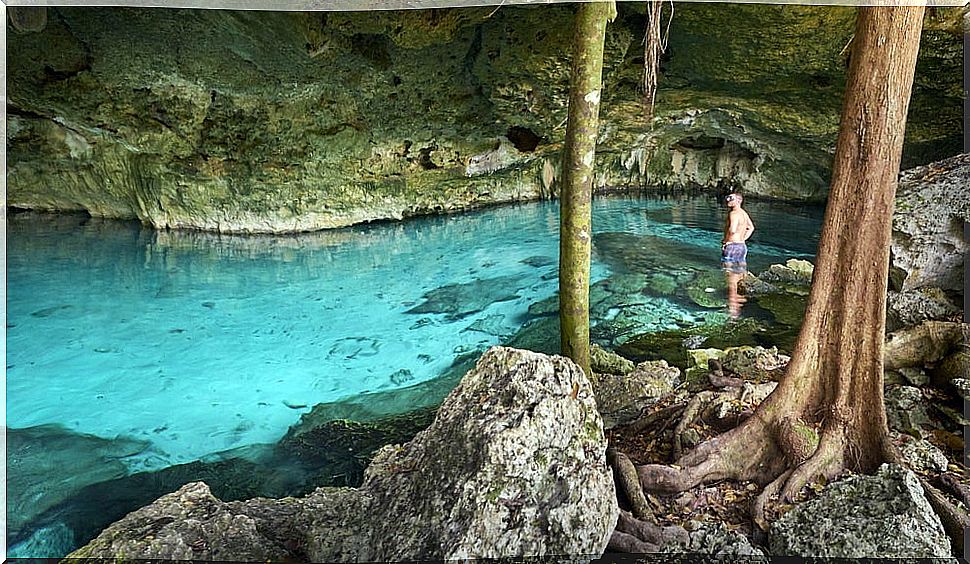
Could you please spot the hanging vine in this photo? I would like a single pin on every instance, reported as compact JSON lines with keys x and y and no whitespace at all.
{"x":654,"y":45}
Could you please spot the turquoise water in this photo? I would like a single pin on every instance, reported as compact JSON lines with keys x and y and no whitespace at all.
{"x":193,"y":343}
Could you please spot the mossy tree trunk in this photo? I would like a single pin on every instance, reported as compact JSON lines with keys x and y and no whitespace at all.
{"x":833,"y":389}
{"x":576,"y":189}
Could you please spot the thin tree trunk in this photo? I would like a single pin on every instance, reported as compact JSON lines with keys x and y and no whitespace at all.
{"x":576,"y":192}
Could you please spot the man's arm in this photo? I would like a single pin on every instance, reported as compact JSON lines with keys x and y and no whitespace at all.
{"x":748,"y":226}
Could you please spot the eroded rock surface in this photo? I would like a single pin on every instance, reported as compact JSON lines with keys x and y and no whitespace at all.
{"x":932,"y":204}
{"x":884,"y":516}
{"x":513,"y":465}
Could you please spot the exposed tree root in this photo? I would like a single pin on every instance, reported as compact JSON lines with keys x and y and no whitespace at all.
{"x":629,"y":482}
{"x":691,"y":412}
{"x":949,"y":483}
{"x":636,"y":536}
{"x":769,"y":491}
{"x":955,"y":520}
{"x":747,"y":452}
{"x":625,"y":542}
{"x":664,"y":414}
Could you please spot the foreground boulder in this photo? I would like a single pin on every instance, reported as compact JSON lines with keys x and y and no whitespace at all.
{"x":513,"y":465}
{"x":885,"y":516}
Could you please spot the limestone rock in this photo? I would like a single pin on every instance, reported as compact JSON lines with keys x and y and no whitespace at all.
{"x":620,"y":399}
{"x":607,"y":362}
{"x":921,"y":455}
{"x":794,"y":271}
{"x":717,"y":540}
{"x":932,"y":202}
{"x":912,"y":307}
{"x":906,"y":410}
{"x":513,"y":465}
{"x":754,"y":363}
{"x":189,"y":524}
{"x":885,"y":516}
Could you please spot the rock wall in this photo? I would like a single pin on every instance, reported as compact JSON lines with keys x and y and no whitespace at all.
{"x":240,"y":121}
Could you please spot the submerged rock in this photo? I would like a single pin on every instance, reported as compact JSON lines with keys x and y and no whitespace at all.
{"x":513,"y":465}
{"x":456,"y":301}
{"x":881,"y":516}
{"x":49,"y":464}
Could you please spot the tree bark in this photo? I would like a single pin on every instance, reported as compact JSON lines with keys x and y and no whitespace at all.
{"x":836,"y":373}
{"x":834,"y":382}
{"x":575,"y":236}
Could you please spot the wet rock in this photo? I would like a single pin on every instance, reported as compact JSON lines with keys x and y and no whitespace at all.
{"x":51,"y":454}
{"x":932,"y":202}
{"x":920,"y":455}
{"x":339,"y":450}
{"x":912,"y":307}
{"x":540,"y":335}
{"x":794,"y":271}
{"x":548,"y":306}
{"x":189,"y":524}
{"x":751,"y":285}
{"x":884,"y":516}
{"x":787,"y":308}
{"x":662,"y":284}
{"x":603,"y":361}
{"x":906,"y":411}
{"x":513,"y":465}
{"x":456,"y":301}
{"x":622,"y":398}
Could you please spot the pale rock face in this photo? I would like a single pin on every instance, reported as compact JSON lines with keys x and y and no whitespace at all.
{"x":514,"y":465}
{"x":932,"y":204}
{"x":885,"y":516}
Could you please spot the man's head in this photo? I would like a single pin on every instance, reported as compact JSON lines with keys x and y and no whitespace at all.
{"x":733,"y":200}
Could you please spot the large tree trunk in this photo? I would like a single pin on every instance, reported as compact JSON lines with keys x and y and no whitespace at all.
{"x":833,"y":389}
{"x":575,"y":235}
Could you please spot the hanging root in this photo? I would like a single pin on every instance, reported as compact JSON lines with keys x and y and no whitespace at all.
{"x":634,"y":535}
{"x":629,"y":482}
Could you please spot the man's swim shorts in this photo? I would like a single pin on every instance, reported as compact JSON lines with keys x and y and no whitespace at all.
{"x":734,"y":254}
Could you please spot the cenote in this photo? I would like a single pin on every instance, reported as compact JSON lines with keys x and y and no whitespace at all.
{"x":145,"y":359}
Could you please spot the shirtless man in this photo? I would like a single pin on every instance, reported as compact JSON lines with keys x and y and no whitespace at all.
{"x":737,"y":230}
{"x":734,"y":251}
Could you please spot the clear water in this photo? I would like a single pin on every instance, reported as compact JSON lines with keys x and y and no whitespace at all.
{"x":198,"y":343}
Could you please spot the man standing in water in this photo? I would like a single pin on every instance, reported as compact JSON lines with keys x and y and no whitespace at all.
{"x":734,"y":251}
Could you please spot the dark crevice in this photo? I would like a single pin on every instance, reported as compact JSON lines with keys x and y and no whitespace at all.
{"x":523,"y":138}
